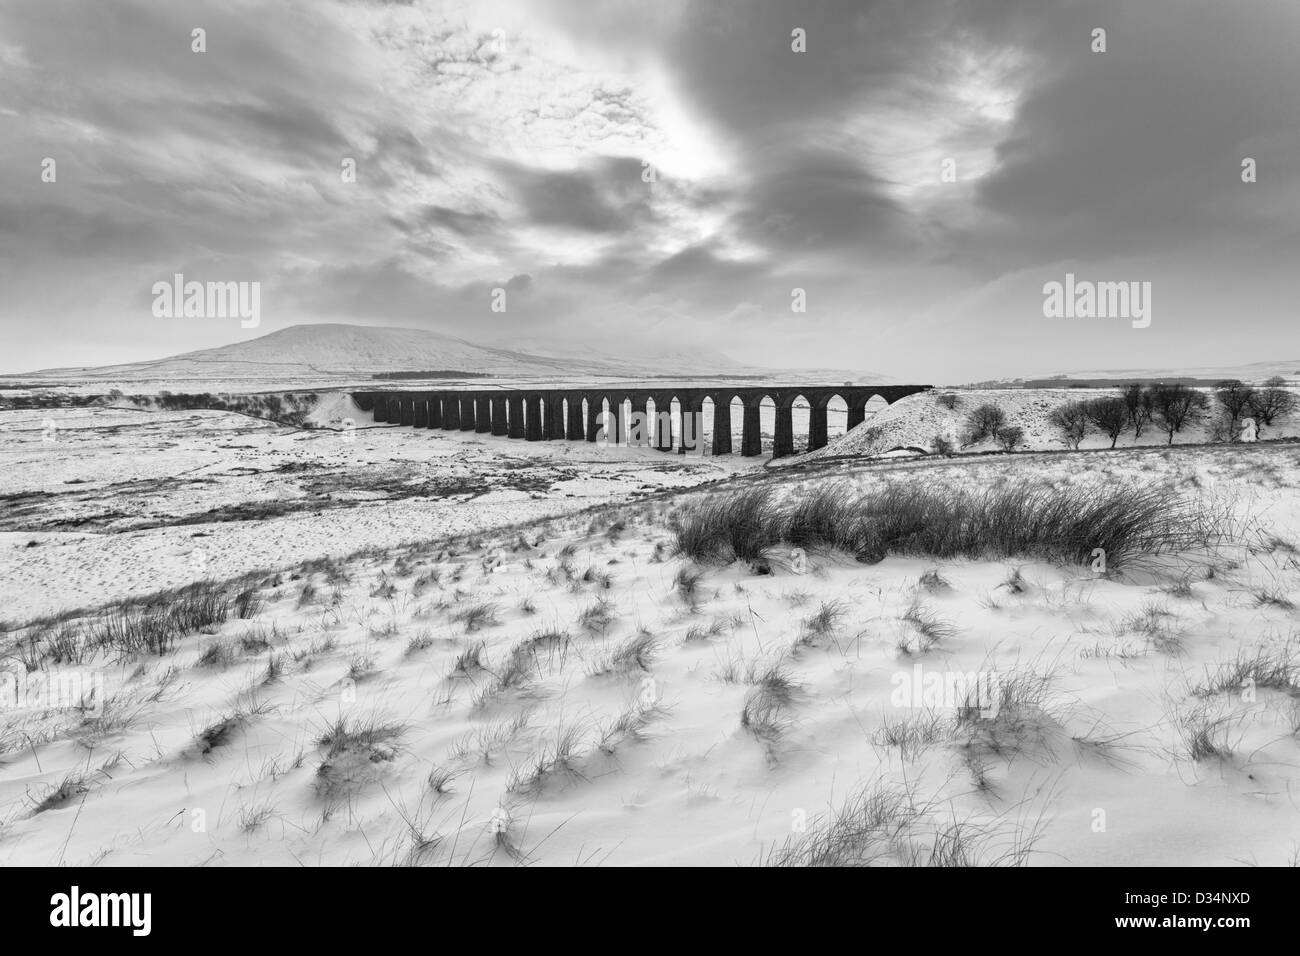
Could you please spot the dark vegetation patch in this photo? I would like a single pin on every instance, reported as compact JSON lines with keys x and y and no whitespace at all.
{"x":1011,"y":520}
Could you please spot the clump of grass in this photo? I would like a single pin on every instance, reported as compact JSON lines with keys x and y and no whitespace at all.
{"x":67,"y":644}
{"x":797,"y":598}
{"x":596,"y":618}
{"x":217,"y":654}
{"x":933,"y":582}
{"x":256,"y":641}
{"x":556,"y":761}
{"x":823,"y":624}
{"x":254,"y":817}
{"x":1204,"y":735}
{"x":1273,"y":668}
{"x":913,"y":735}
{"x":686,"y":583}
{"x":248,"y":603}
{"x":361,"y":667}
{"x":884,"y":824}
{"x":1006,"y":712}
{"x":221,"y":732}
{"x":1062,"y":525}
{"x":306,"y":655}
{"x":602,"y":578}
{"x":816,"y":519}
{"x":368,"y":734}
{"x":699,"y":632}
{"x":1015,"y":582}
{"x":737,"y":670}
{"x":1155,"y":624}
{"x":729,"y":526}
{"x":420,"y":642}
{"x":776,"y":683}
{"x":440,"y":780}
{"x":470,"y":660}
{"x":631,"y":726}
{"x":862,"y":832}
{"x":516,"y":673}
{"x":1273,"y":597}
{"x":274,"y":669}
{"x":28,"y":653}
{"x":355,"y":753}
{"x":218,"y":734}
{"x":637,"y":653}
{"x":764,"y":711}
{"x":492,"y":739}
{"x":478,"y":616}
{"x":552,"y":642}
{"x":928,"y":628}
{"x":72,"y":786}
{"x":424,"y":582}
{"x":154,"y":625}
{"x":1282,"y":544}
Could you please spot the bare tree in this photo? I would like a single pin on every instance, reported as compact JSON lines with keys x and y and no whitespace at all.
{"x":1010,"y":437}
{"x":1109,"y":414}
{"x":1072,"y":422}
{"x":1237,"y":398}
{"x":1137,"y":402}
{"x":983,"y":422}
{"x":1273,"y":400}
{"x":1174,"y":405}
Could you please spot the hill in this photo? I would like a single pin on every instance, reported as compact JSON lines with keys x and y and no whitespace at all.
{"x":323,"y":354}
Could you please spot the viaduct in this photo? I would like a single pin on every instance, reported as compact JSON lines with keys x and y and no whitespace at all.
{"x":546,"y":414}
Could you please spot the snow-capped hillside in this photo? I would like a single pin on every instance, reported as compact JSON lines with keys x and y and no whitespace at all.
{"x":351,"y":351}
{"x":915,"y":421}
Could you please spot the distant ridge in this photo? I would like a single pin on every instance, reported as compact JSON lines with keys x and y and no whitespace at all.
{"x":1252,"y":372}
{"x":337,"y":351}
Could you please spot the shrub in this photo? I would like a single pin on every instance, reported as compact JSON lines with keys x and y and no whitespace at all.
{"x":1109,"y":414}
{"x":983,"y":422}
{"x":1137,"y":404}
{"x":1010,"y":437}
{"x":1273,"y":401}
{"x":1237,"y":400}
{"x":1173,"y":406}
{"x":1071,"y":420}
{"x":946,"y":400}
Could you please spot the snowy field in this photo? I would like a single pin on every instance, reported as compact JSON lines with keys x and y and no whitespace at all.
{"x":402,"y":684}
{"x":108,"y":503}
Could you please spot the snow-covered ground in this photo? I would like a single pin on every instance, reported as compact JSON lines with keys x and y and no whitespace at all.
{"x":103,"y":503}
{"x":550,"y":694}
{"x":915,"y":421}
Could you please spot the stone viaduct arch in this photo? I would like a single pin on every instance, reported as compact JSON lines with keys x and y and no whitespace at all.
{"x":552,"y":414}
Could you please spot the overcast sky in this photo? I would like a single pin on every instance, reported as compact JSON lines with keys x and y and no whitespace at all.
{"x":502,"y":143}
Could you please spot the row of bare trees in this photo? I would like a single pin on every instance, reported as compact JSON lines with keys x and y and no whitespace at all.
{"x":1170,"y":408}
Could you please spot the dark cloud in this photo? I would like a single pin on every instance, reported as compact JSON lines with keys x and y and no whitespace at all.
{"x":605,"y":195}
{"x":809,"y":199}
{"x":501,"y":144}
